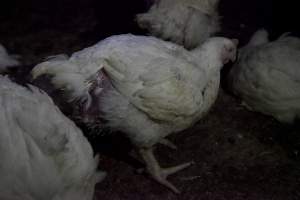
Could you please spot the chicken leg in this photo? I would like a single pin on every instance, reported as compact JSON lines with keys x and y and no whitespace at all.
{"x":160,"y":174}
{"x":167,"y":143}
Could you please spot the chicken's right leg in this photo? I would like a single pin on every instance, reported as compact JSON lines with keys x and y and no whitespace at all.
{"x":160,"y":174}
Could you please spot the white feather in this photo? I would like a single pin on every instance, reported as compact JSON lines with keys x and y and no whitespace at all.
{"x":267,"y":76}
{"x":67,"y":75}
{"x":43,"y":154}
{"x":185,"y":22}
{"x":157,"y":87}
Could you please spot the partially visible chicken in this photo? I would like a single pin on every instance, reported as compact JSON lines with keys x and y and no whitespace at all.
{"x":143,"y":86}
{"x":185,"y":22}
{"x":267,"y":76}
{"x":43,"y":154}
{"x":6,"y":60}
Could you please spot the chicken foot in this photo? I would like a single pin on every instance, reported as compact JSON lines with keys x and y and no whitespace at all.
{"x":160,"y":174}
{"x":167,"y":143}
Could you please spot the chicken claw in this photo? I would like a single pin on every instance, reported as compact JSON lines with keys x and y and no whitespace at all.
{"x":167,"y":143}
{"x":160,"y":174}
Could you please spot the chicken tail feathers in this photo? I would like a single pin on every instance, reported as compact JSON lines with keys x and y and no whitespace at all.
{"x":48,"y":66}
{"x":64,"y":76}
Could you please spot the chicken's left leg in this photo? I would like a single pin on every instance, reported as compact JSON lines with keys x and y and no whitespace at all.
{"x":160,"y":174}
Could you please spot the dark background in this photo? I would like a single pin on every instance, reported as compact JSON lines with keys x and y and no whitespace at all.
{"x":239,"y":155}
{"x":106,"y":17}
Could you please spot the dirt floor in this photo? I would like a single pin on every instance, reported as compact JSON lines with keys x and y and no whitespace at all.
{"x":238,"y":154}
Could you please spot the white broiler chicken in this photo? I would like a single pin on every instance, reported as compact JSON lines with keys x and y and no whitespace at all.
{"x":6,"y":60}
{"x":143,"y":86}
{"x":43,"y":154}
{"x":267,"y":76}
{"x":185,"y":22}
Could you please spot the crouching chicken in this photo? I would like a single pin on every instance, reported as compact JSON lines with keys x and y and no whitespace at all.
{"x":43,"y":154}
{"x":267,"y":76}
{"x":185,"y":22}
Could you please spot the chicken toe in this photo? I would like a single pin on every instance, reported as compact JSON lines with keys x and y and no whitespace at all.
{"x":168,"y":143}
{"x":160,"y":174}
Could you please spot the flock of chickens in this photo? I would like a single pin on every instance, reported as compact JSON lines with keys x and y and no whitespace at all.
{"x":143,"y":86}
